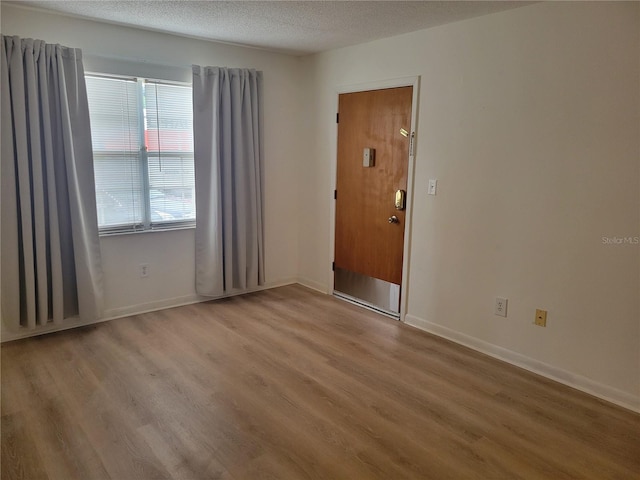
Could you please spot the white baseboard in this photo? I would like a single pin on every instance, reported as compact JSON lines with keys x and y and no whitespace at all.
{"x":130,"y":310}
{"x":69,"y":323}
{"x":313,"y":285}
{"x":605,"y":392}
{"x":184,"y":300}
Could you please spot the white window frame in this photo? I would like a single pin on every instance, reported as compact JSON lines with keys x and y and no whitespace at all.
{"x":143,"y":162}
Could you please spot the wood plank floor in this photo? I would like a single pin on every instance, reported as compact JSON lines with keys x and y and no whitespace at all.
{"x":292,"y":384}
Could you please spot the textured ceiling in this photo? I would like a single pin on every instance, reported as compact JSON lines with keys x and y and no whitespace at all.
{"x":287,"y":26}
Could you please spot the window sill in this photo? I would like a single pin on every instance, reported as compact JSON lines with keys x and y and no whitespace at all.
{"x":172,"y":228}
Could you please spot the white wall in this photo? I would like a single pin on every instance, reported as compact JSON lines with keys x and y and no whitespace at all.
{"x":170,"y":255}
{"x":529,"y":119}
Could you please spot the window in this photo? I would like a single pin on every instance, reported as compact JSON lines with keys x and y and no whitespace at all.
{"x":142,"y":134}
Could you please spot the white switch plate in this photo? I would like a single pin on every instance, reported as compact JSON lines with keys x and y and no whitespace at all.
{"x":433,"y":184}
{"x":501,"y":307}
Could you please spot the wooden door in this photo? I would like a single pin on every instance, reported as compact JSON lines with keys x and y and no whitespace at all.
{"x":365,"y":242}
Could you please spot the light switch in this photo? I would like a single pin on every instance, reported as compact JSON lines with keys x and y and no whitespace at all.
{"x":433,"y":183}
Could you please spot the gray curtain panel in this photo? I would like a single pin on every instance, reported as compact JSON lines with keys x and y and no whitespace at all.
{"x":228,"y":158}
{"x":51,"y":266}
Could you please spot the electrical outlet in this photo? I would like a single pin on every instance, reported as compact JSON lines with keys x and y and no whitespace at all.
{"x":144,"y":270}
{"x":500,"y":307}
{"x":541,"y":318}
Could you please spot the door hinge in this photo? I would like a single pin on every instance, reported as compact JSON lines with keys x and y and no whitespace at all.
{"x":335,"y":194}
{"x":333,"y":266}
{"x":412,"y":143}
{"x":337,"y":118}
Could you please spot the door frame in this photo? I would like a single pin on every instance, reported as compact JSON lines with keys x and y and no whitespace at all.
{"x":362,"y":87}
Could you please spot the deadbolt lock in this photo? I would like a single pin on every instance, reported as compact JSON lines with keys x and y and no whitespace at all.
{"x":401,"y":199}
{"x":393,"y":219}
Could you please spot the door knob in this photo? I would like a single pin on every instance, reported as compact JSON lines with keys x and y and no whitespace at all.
{"x":393,"y":219}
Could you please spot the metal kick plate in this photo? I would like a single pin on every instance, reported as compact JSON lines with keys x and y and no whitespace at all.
{"x":369,"y":291}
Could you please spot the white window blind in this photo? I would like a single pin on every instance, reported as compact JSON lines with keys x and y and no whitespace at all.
{"x":142,"y":134}
{"x":169,"y":140}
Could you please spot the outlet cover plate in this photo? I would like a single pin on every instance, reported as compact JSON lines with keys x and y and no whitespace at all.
{"x":541,"y":318}
{"x":500,"y":307}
